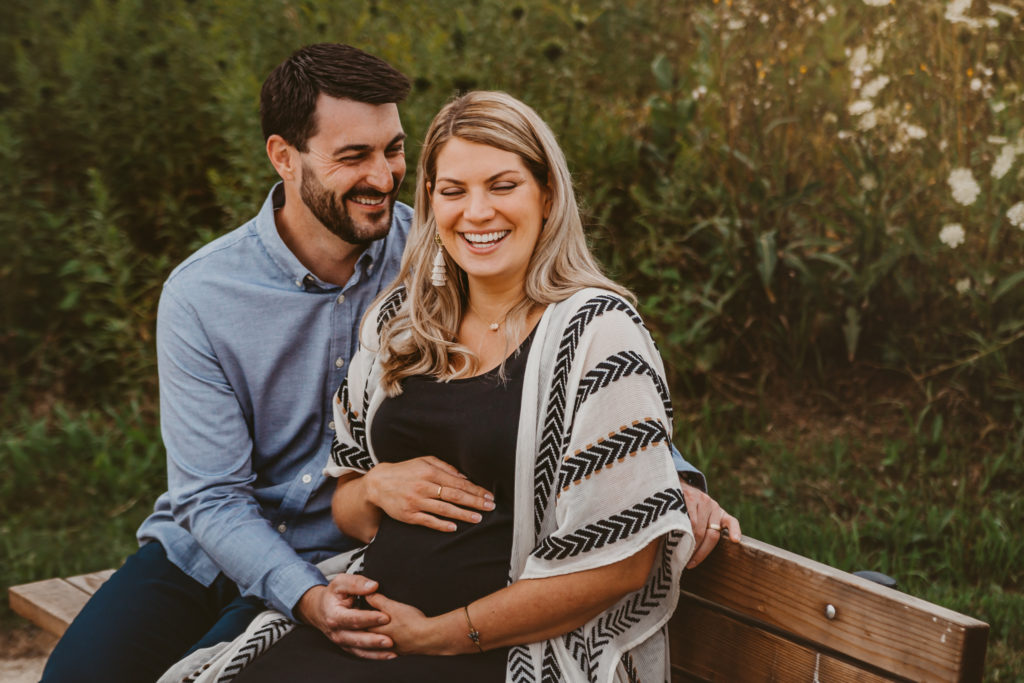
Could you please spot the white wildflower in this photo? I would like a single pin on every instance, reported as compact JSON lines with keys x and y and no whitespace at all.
{"x":830,"y":118}
{"x":868,"y":182}
{"x":965,"y":188}
{"x":822,"y":17}
{"x":868,"y":121}
{"x":844,"y":135}
{"x":874,"y":86}
{"x":976,"y":84}
{"x":963,"y":285}
{"x":699,"y":92}
{"x":763,"y":18}
{"x":996,"y":140}
{"x":860,"y":107}
{"x":830,"y":10}
{"x":735,"y":24}
{"x":1001,"y":166}
{"x":952,"y":235}
{"x":996,"y":8}
{"x":876,"y":3}
{"x":783,"y":45}
{"x":896,"y":147}
{"x":1016,"y":215}
{"x":859,"y":61}
{"x":943,"y":145}
{"x":914,"y":132}
{"x":998,"y":106}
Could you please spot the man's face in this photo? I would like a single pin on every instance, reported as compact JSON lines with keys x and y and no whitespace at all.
{"x":353,"y":168}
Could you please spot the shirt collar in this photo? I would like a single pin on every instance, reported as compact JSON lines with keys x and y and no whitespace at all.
{"x":286,"y":261}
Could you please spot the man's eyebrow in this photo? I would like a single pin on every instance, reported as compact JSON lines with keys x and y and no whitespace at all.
{"x":491,"y":179}
{"x":348,"y":149}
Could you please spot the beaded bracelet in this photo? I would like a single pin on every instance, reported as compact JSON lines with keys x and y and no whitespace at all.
{"x":473,"y":634}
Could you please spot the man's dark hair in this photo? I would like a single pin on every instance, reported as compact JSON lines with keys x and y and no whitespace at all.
{"x":288,"y":98}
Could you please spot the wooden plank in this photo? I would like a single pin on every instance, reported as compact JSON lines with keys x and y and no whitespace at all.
{"x":51,"y":604}
{"x":90,"y":583}
{"x":899,"y":633}
{"x":707,"y":644}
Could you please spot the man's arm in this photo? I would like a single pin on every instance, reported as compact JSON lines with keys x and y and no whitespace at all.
{"x":211,"y":477}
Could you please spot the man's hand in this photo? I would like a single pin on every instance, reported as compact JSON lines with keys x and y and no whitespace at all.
{"x":423,"y":490}
{"x":705,"y":516}
{"x":331,"y":609}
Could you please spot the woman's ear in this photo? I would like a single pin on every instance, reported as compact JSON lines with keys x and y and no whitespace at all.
{"x":283,"y":156}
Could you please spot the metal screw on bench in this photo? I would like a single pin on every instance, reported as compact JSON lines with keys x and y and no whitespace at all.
{"x":830,"y":612}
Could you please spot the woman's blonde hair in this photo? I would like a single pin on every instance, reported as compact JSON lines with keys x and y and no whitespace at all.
{"x":421,"y":337}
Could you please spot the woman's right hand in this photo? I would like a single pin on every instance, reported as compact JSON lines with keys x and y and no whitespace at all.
{"x":426,"y":491}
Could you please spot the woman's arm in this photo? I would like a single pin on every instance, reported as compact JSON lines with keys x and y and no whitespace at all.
{"x":418,"y":491}
{"x":527,"y":611}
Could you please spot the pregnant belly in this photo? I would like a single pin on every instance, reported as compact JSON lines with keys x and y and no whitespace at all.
{"x":440,"y":571}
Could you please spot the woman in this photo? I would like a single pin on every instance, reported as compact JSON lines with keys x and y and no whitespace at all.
{"x":503,"y":350}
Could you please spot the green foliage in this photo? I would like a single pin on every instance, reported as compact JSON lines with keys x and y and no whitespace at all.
{"x":775,"y":206}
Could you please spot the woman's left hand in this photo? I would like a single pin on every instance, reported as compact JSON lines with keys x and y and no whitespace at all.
{"x":409,"y":628}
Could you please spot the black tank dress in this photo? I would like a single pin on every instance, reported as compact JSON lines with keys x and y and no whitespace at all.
{"x":471,"y":423}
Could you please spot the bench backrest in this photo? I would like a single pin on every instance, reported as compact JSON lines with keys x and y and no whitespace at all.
{"x":754,"y":612}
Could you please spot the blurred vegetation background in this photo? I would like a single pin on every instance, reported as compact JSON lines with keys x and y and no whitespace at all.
{"x":818,"y":202}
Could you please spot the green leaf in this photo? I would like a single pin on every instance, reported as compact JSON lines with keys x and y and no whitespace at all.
{"x":662,"y":70}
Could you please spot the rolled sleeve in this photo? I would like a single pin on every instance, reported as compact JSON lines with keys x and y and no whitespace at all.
{"x":687,"y":472}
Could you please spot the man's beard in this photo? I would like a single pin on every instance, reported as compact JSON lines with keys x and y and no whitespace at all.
{"x":330,"y":210}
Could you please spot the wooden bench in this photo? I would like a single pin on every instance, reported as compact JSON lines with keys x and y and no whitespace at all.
{"x":750,"y":612}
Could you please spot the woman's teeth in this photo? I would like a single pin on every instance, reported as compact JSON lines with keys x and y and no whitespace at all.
{"x":486,"y":238}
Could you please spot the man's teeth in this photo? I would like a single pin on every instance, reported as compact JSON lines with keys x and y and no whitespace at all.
{"x":485,"y":238}
{"x":368,"y":201}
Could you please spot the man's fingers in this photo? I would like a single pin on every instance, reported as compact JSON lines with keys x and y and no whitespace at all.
{"x":703,"y":550}
{"x":370,"y":654}
{"x":363,"y":641}
{"x":733,"y":525}
{"x":352,"y":584}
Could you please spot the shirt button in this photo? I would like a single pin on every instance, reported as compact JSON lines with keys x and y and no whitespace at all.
{"x":339,"y":362}
{"x":306,"y":478}
{"x":331,"y":425}
{"x":298,"y":283}
{"x":369,"y":268}
{"x":282,"y":527}
{"x":341,"y":298}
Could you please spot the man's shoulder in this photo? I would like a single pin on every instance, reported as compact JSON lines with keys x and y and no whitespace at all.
{"x":222,"y":253}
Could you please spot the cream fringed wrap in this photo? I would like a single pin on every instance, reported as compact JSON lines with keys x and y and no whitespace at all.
{"x":595,"y":481}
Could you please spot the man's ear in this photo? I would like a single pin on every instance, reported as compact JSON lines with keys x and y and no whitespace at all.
{"x":283,"y":156}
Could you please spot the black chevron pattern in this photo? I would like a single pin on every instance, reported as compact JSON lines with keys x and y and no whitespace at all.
{"x":618,"y":526}
{"x":256,"y":645}
{"x":554,"y":418}
{"x":550,"y":671}
{"x":576,"y":644}
{"x":628,"y":441}
{"x":639,"y":604}
{"x":344,"y":455}
{"x":630,"y":667}
{"x":615,"y":368}
{"x":389,"y":307}
{"x":520,"y":664}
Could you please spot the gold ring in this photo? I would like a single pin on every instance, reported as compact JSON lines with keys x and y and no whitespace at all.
{"x":715,"y":527}
{"x":439,"y":492}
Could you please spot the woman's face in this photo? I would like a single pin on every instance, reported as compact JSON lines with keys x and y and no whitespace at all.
{"x":489,"y":210}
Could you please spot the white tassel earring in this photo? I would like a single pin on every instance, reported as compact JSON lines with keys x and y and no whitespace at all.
{"x":437,"y":275}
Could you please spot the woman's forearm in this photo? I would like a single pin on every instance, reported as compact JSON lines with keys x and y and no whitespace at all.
{"x":352,"y":510}
{"x":531,"y":610}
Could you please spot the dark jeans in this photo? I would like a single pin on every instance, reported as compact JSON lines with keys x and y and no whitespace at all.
{"x":147,"y":616}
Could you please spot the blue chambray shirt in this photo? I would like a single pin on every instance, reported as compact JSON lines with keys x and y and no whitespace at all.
{"x":251,"y":348}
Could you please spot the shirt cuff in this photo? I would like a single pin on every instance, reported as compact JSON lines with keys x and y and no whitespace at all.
{"x":687,"y":472}
{"x":288,"y":584}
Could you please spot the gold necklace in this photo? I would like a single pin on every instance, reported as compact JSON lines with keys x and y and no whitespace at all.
{"x":492,"y":326}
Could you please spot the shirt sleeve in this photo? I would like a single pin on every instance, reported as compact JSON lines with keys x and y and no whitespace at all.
{"x":687,"y":472}
{"x":210,"y":472}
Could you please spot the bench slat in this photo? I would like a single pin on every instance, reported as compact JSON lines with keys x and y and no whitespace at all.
{"x":709,"y":645}
{"x":51,"y":604}
{"x":90,"y":583}
{"x":894,"y":631}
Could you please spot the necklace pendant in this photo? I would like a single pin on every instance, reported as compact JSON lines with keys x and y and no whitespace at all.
{"x":494,"y":327}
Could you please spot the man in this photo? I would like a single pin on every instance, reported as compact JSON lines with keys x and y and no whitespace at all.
{"x":254,"y":333}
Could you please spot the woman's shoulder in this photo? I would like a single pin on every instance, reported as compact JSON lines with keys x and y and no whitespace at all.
{"x":379,"y":314}
{"x":593,"y":303}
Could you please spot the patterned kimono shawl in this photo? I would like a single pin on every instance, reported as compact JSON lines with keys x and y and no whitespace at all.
{"x":595,"y":484}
